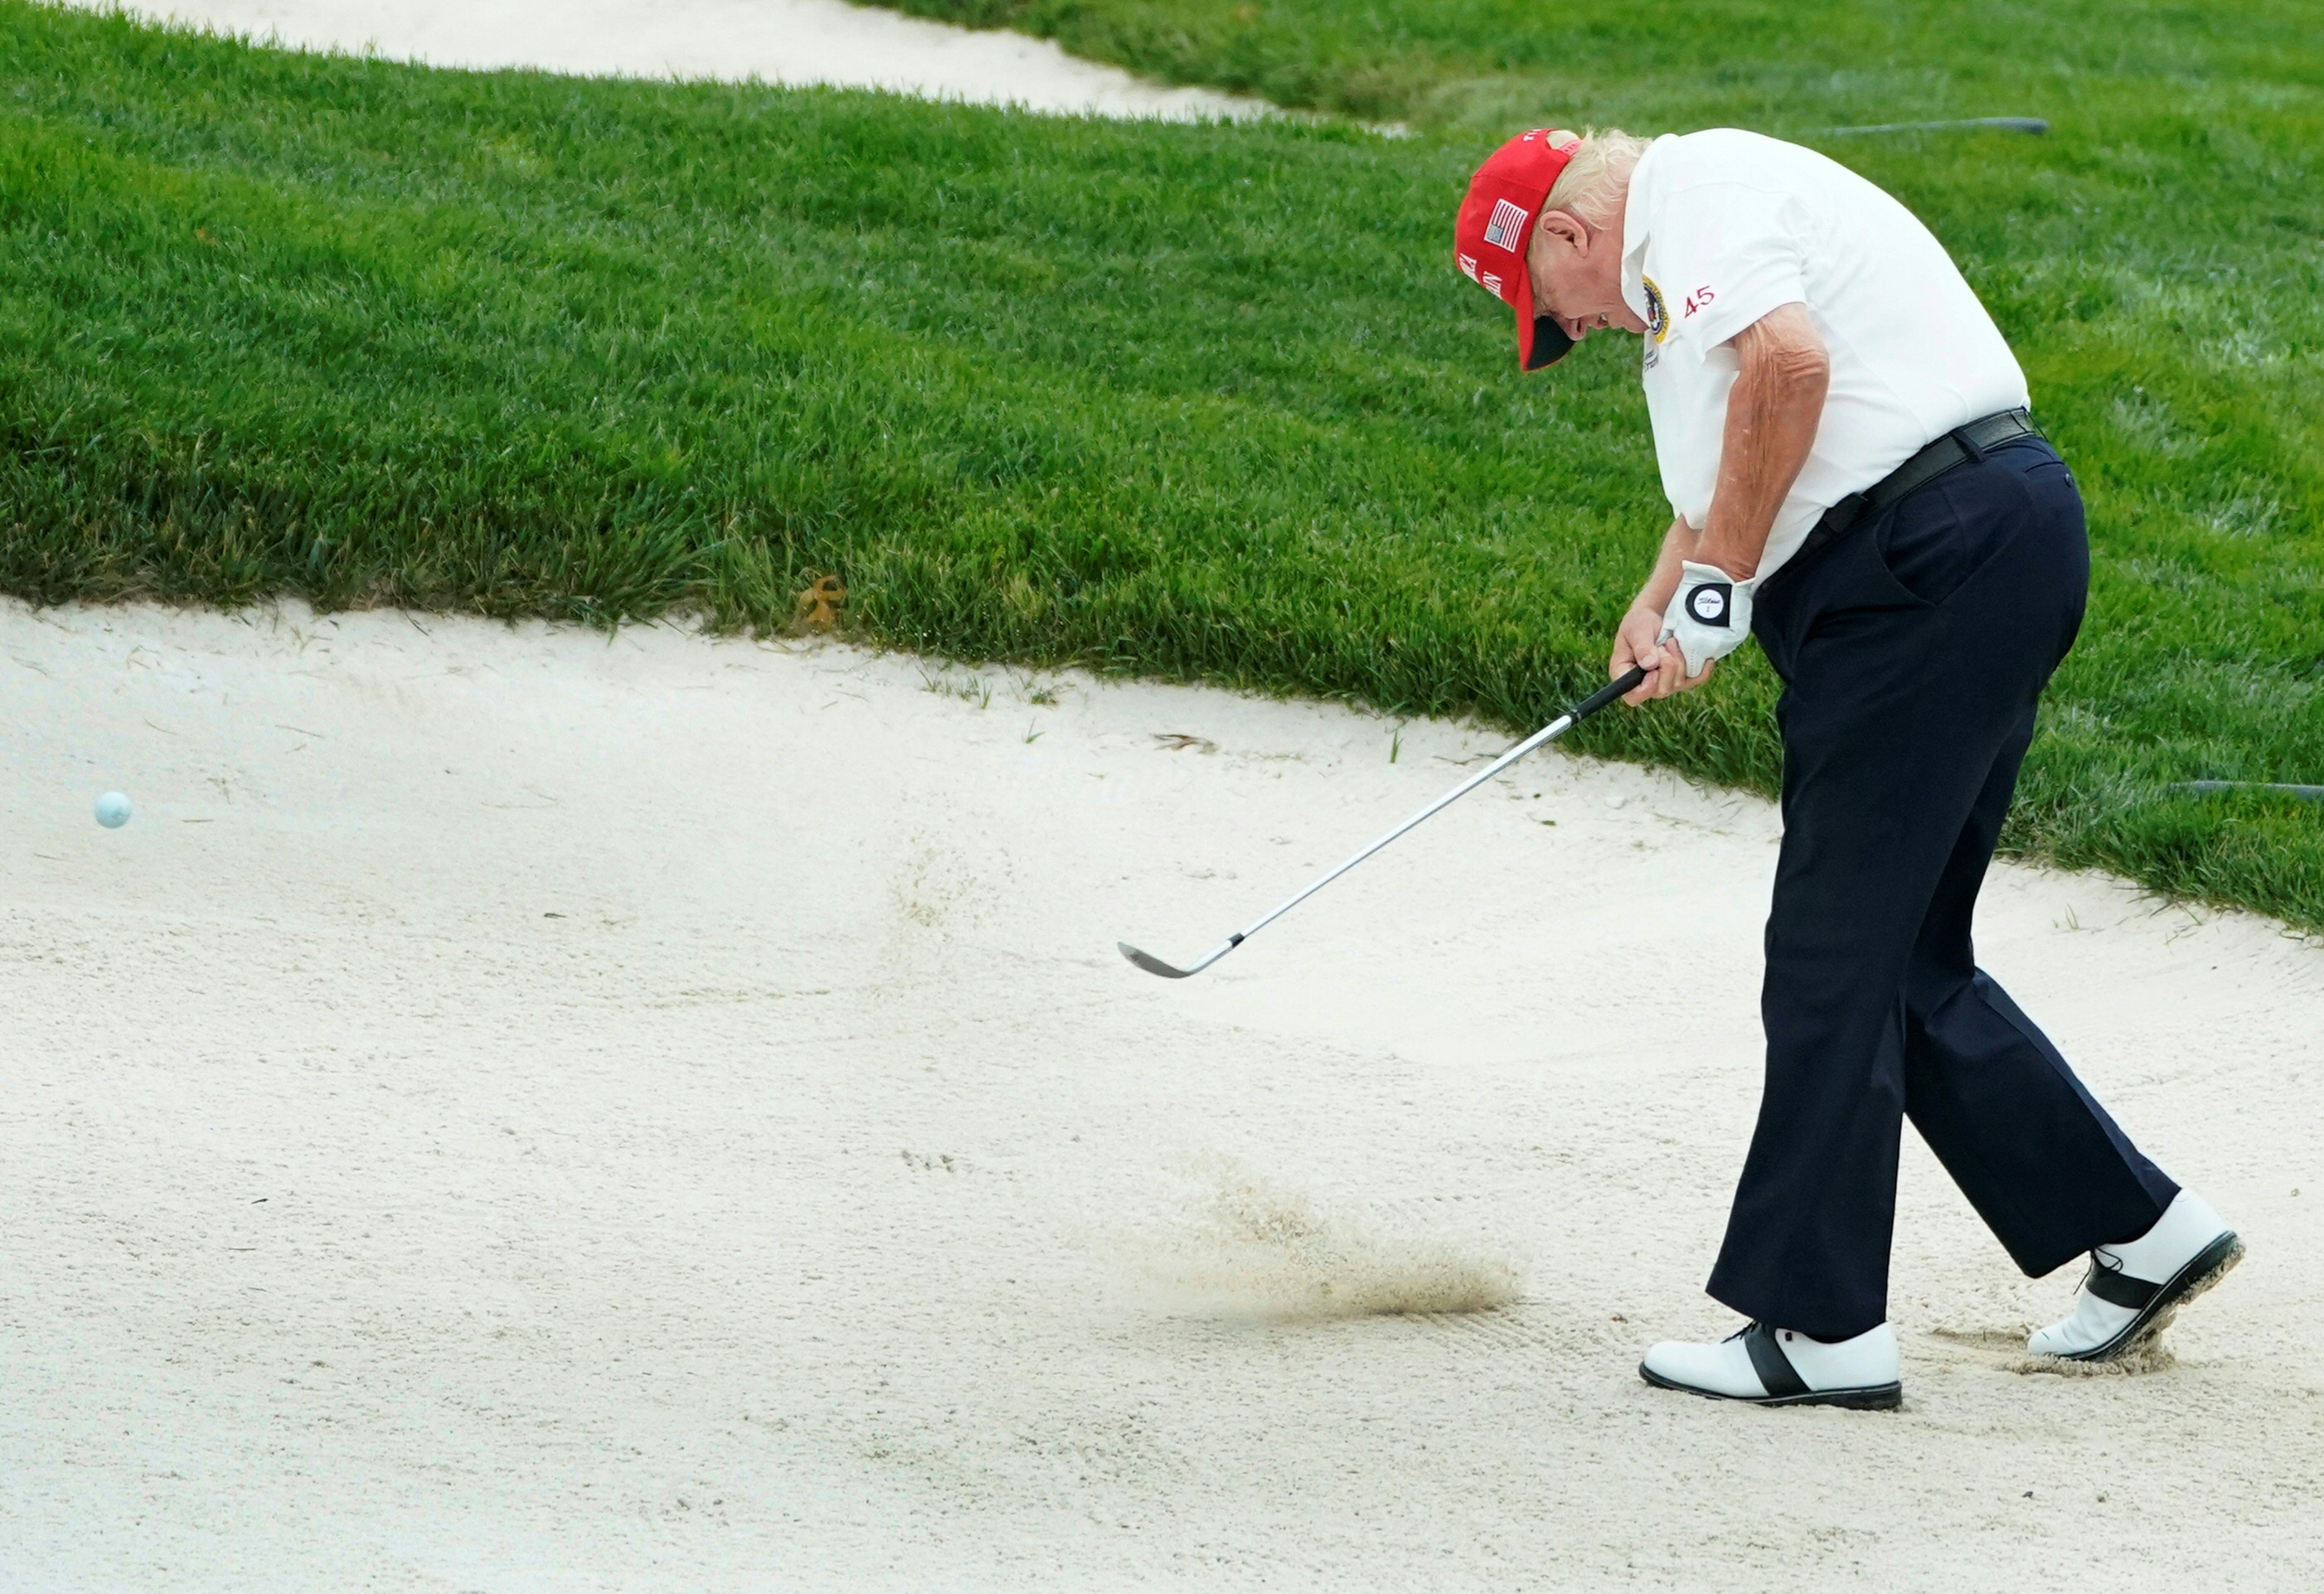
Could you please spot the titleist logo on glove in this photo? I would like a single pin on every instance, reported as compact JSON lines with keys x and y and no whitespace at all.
{"x":1709,"y":616}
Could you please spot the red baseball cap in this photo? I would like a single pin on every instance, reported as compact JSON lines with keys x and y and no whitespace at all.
{"x":1496,"y":225}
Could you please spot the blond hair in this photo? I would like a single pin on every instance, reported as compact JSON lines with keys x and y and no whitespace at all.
{"x":1592,"y":183}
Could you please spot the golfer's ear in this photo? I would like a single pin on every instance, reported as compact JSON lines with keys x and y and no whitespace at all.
{"x":1558,"y":228}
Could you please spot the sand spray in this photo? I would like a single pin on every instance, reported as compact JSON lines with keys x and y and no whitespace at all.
{"x":1248,"y":1245}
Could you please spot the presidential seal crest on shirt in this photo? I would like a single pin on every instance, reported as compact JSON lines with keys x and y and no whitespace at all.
{"x":1658,"y":312}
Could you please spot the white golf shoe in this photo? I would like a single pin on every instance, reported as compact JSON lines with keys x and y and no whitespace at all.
{"x":2132,"y":1289}
{"x":1775,"y":1367}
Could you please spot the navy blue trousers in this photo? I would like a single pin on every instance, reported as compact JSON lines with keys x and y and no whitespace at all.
{"x":1912,"y":653}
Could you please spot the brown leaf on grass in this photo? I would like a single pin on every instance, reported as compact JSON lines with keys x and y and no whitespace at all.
{"x":819,"y":604}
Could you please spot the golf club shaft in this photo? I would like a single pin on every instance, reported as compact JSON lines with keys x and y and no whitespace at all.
{"x":1549,"y":733}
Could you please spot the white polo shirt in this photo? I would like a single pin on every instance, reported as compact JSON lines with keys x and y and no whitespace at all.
{"x":1724,"y":227}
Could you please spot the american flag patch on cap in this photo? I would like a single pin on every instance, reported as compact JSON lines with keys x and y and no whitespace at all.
{"x":1501,"y":232}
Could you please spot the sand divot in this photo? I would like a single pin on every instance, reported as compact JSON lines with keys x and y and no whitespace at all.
{"x":1254,"y":1248}
{"x":2006,"y":1353}
{"x":2004,"y":1349}
{"x":2150,"y":1356}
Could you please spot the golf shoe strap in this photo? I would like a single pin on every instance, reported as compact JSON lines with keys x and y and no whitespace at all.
{"x":1776,"y":1374}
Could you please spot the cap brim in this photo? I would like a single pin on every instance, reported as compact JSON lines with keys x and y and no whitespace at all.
{"x":1541,"y":341}
{"x":1547,"y":345}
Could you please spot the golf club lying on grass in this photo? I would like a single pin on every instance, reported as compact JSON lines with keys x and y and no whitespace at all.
{"x":1549,"y":733}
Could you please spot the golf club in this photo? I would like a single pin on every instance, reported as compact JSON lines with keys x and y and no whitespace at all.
{"x":1549,"y":733}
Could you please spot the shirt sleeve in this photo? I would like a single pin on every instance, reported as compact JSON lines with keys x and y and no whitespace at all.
{"x":1725,"y":254}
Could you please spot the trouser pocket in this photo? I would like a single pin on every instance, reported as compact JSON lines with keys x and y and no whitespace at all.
{"x":1934,"y":541}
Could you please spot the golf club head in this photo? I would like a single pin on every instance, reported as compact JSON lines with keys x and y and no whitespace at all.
{"x":1150,"y":963}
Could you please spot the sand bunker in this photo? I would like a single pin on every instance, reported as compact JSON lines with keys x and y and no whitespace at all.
{"x":774,"y":41}
{"x":517,"y":1108}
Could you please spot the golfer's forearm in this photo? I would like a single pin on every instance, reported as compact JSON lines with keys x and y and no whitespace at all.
{"x":1771,"y":415}
{"x":1678,"y":547}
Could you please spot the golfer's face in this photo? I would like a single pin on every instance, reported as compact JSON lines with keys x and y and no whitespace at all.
{"x":1573,"y":284}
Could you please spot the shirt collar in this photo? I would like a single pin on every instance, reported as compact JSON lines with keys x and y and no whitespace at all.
{"x":1636,"y":233}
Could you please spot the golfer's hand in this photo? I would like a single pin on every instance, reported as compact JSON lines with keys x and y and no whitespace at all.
{"x":1634,"y":644}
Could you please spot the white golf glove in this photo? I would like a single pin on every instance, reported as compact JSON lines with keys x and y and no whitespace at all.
{"x":1709,"y":616}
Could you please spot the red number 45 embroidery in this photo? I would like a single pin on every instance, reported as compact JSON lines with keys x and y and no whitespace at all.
{"x":1698,"y":299}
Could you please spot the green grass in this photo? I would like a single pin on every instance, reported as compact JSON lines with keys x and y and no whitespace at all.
{"x":1192,"y":402}
{"x":1782,"y":65}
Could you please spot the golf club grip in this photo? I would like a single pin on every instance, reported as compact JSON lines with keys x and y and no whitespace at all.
{"x":1607,"y":694}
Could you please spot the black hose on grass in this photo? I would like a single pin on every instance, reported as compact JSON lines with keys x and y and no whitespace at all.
{"x":2313,"y":794}
{"x":2008,"y":123}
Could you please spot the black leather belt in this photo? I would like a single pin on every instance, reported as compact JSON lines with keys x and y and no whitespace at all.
{"x":1958,"y":446}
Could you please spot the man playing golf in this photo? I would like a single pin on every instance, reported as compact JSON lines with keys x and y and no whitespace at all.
{"x":1842,"y":435}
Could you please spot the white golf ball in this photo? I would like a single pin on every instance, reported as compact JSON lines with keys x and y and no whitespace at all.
{"x":113,"y":810}
{"x":1615,"y":799}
